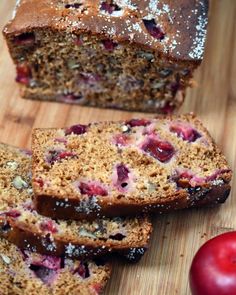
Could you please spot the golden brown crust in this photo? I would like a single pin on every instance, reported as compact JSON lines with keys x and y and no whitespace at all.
{"x":183,"y":23}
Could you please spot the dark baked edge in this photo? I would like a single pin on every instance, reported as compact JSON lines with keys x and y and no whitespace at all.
{"x":27,"y":240}
{"x":204,"y":196}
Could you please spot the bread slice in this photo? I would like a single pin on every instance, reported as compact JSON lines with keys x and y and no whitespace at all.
{"x":133,"y":55}
{"x":125,"y":168}
{"x":23,"y":226}
{"x":24,"y":272}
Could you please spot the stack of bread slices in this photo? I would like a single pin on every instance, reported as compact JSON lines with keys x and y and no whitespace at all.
{"x":86,"y":193}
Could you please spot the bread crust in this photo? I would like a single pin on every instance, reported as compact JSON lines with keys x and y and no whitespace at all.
{"x":184,"y":22}
{"x":205,"y":196}
{"x":49,"y":245}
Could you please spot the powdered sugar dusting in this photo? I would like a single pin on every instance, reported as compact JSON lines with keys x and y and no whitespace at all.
{"x":167,"y":10}
{"x":197,"y":49}
{"x":153,"y":4}
{"x":135,"y":253}
{"x":75,"y":251}
{"x":177,"y":22}
{"x":15,"y":9}
{"x":117,"y":13}
{"x":48,"y":243}
{"x":183,"y":26}
{"x":156,"y":9}
{"x":88,"y":205}
{"x":137,"y":27}
{"x":126,"y":4}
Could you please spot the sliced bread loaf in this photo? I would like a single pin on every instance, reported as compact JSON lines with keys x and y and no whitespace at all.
{"x":23,"y":272}
{"x":133,"y":55}
{"x":125,"y":168}
{"x":23,"y":226}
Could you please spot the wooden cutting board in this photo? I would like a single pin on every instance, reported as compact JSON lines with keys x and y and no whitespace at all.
{"x":164,"y":268}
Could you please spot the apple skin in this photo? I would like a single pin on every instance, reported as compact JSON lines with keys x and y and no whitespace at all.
{"x":213,"y":269}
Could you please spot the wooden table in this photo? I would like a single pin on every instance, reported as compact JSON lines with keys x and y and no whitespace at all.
{"x":164,"y":269}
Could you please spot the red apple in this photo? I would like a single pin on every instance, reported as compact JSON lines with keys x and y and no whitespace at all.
{"x":213,"y":270}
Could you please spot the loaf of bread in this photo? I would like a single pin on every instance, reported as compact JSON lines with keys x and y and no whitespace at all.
{"x":126,"y":168}
{"x":132,"y":55}
{"x":27,"y":273}
{"x":23,"y":226}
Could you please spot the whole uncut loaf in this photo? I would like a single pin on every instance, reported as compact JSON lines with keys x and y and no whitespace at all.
{"x":126,"y":168}
{"x":24,"y":272}
{"x":23,"y":226}
{"x":132,"y":55}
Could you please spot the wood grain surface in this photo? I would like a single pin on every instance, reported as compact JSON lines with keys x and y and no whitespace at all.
{"x":164,"y":268}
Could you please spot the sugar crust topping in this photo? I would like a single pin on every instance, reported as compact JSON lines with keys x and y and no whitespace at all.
{"x":184,"y":24}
